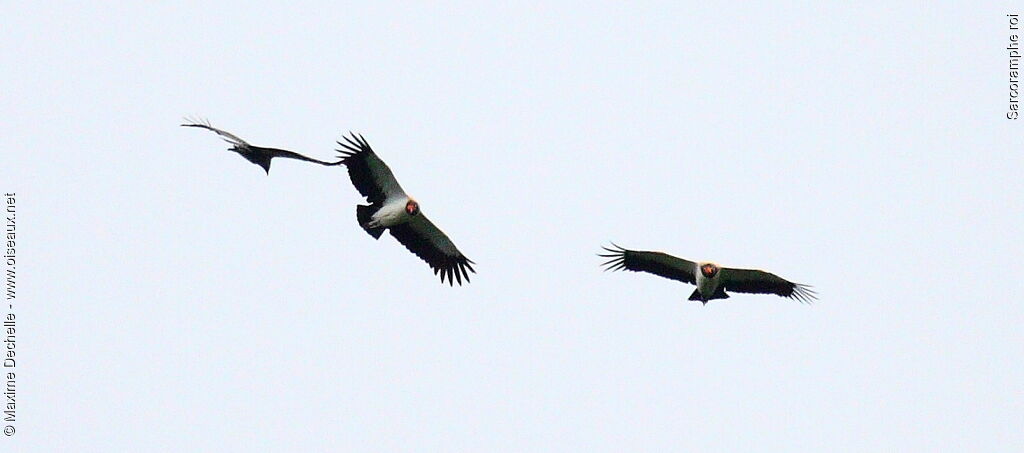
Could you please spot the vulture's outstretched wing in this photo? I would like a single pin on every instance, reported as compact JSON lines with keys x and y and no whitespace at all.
{"x":421,"y":237}
{"x":371,"y":176}
{"x":656,"y":263}
{"x":256,"y":154}
{"x":761,"y":282}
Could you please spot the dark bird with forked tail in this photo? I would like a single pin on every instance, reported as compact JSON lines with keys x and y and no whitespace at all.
{"x":712,"y":281}
{"x":256,"y":154}
{"x":392,"y":209}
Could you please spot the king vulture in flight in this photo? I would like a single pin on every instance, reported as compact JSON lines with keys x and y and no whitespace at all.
{"x":392,"y":209}
{"x":256,"y":154}
{"x":712,"y":281}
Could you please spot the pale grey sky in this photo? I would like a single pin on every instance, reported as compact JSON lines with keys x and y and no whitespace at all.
{"x":172,"y":297}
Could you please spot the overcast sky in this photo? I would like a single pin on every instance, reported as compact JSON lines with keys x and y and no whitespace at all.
{"x":173,"y":297}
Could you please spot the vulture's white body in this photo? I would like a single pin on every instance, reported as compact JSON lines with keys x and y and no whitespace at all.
{"x":705,"y":285}
{"x":390,"y":214}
